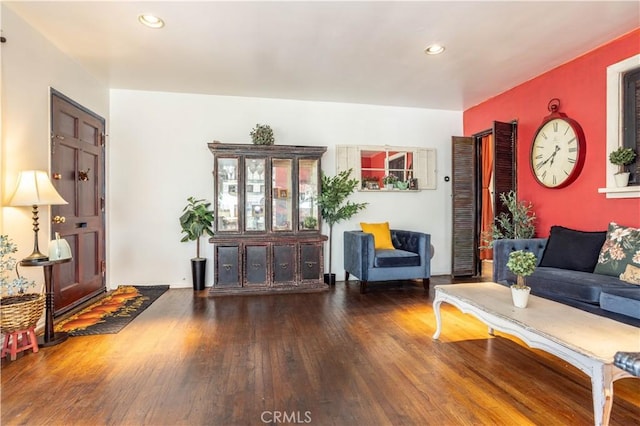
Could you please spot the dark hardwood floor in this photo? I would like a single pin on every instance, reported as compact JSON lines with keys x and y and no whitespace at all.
{"x":332,"y":358}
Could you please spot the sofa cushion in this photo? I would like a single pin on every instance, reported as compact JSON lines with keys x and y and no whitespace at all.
{"x":570,"y":249}
{"x":631,"y":275}
{"x":621,"y":248}
{"x":578,"y":285}
{"x":625,"y":301}
{"x":395,"y":258}
{"x":381,"y":234}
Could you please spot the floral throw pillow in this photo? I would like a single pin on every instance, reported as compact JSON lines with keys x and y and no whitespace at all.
{"x":621,"y":248}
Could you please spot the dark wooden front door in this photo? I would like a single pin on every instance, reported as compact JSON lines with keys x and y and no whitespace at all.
{"x":78,"y":171}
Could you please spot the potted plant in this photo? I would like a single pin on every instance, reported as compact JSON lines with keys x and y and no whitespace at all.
{"x":334,"y":206}
{"x":18,"y":310}
{"x":522,"y":263}
{"x":389,"y":181}
{"x":197,"y":220}
{"x":262,"y":134}
{"x":622,"y":157}
{"x":310,"y":222}
{"x":518,"y":223}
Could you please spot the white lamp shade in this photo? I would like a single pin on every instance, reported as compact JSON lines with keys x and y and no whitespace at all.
{"x":35,"y":189}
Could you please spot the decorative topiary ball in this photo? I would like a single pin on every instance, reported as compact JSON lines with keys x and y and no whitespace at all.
{"x":262,"y":134}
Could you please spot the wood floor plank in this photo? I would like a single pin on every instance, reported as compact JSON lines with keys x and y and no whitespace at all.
{"x":333,"y":358}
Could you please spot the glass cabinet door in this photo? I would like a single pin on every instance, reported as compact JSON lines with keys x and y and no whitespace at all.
{"x":254,"y":177}
{"x":308,"y":194}
{"x":282,"y":208}
{"x":227,"y":203}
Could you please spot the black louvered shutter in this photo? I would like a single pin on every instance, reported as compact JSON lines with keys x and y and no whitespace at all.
{"x":464,"y":242}
{"x":504,"y":162}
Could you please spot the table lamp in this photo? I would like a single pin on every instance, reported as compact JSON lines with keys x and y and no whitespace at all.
{"x":35,"y":189}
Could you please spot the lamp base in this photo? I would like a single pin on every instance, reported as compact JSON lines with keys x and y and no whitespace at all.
{"x":36,"y":256}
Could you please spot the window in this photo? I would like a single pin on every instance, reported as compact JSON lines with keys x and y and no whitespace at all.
{"x":615,"y":138}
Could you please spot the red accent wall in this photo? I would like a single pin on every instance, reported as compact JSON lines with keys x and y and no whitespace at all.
{"x":581,"y":87}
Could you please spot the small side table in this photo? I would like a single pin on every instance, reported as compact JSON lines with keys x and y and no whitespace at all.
{"x":50,"y":338}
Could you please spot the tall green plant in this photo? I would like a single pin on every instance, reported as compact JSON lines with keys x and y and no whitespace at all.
{"x":196,"y":220}
{"x":333,"y":203}
{"x":518,"y":222}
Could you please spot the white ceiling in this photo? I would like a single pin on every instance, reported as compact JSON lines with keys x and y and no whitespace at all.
{"x":357,"y":52}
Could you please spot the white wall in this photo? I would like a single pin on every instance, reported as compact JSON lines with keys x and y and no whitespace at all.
{"x":158,"y":157}
{"x":30,"y":66}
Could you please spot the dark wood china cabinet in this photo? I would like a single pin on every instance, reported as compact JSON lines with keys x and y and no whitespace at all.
{"x":267,"y":221}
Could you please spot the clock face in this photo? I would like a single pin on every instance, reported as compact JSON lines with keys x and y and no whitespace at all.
{"x":557,"y":154}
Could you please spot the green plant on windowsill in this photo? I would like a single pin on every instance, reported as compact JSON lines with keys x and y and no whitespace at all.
{"x":389,"y":180}
{"x":522,"y":263}
{"x":622,"y":157}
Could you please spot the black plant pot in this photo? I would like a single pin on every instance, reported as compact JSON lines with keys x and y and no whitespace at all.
{"x":198,"y":269}
{"x":330,"y":279}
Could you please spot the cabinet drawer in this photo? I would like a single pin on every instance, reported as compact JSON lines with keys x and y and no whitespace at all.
{"x":284,"y":263}
{"x":256,"y":265}
{"x":310,"y":262}
{"x":227,"y":266}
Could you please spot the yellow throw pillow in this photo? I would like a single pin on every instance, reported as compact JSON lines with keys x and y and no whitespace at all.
{"x":381,"y":234}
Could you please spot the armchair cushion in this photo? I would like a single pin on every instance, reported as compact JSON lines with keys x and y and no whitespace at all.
{"x":381,"y":234}
{"x":395,"y":258}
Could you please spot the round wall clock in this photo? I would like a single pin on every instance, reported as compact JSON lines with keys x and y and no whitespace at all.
{"x":558,"y":149}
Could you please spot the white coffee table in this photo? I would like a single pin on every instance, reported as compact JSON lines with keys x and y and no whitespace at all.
{"x":587,"y":341}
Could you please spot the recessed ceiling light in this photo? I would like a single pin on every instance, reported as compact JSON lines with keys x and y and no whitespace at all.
{"x":150,"y":21}
{"x":434,"y":49}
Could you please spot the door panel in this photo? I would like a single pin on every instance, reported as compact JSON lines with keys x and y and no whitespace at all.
{"x":256,"y":265}
{"x":284,"y":265}
{"x":464,"y":242}
{"x":78,"y":172}
{"x":228,"y":266}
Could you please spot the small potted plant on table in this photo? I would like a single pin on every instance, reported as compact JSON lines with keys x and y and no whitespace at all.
{"x":196,"y":220}
{"x":522,"y":263}
{"x":622,"y":157}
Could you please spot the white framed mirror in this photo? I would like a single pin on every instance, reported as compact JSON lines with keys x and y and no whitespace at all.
{"x":390,"y":167}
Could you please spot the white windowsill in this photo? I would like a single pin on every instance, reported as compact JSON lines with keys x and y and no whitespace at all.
{"x":623,"y":192}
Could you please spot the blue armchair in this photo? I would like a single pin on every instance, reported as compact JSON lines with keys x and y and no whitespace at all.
{"x":411,"y":258}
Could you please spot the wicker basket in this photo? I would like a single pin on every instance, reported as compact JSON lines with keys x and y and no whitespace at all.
{"x":20,"y":312}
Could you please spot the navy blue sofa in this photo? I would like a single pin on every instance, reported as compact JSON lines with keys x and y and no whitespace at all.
{"x":411,"y":258}
{"x":599,"y":294}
